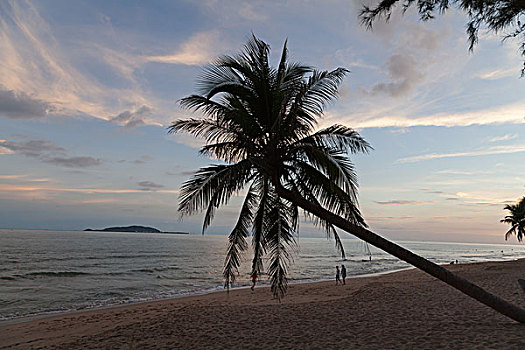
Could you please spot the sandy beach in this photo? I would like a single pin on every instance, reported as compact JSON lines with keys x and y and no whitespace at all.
{"x":401,"y":310}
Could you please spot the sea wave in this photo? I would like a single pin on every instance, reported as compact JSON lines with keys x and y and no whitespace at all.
{"x":7,"y":278}
{"x":157,"y":269}
{"x":53,"y":274}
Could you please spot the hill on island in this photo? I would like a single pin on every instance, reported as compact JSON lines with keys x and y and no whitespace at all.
{"x":134,"y":228}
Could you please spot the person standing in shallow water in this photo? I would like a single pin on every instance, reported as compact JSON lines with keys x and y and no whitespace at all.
{"x":337,"y":274}
{"x":343,"y":273}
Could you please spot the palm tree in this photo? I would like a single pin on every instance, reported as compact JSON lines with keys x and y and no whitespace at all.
{"x":260,"y":121}
{"x":516,"y":219}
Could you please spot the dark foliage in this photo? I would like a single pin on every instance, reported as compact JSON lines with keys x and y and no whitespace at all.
{"x":495,"y":15}
{"x":516,"y":220}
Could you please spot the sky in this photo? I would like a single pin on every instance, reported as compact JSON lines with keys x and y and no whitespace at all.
{"x":88,"y":89}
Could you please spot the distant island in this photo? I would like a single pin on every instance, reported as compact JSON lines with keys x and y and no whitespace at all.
{"x":134,"y":228}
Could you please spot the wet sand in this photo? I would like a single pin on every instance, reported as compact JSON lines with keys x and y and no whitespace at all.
{"x":401,"y":310}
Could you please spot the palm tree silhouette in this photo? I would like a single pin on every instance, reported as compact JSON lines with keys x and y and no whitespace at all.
{"x":260,"y":122}
{"x":516,"y":219}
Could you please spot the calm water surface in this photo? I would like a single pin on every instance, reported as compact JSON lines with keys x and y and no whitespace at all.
{"x":55,"y":271}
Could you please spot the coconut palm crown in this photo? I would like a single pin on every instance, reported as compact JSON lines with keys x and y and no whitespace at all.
{"x":261,"y":122}
{"x":516,"y":219}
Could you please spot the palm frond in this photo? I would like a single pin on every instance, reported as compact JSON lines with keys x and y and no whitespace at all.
{"x":203,"y":128}
{"x":208,"y":107}
{"x":217,"y":74}
{"x":511,"y":231}
{"x":212,"y":186}
{"x":329,"y":228}
{"x":332,"y":163}
{"x":259,"y":225}
{"x":340,"y":137}
{"x":237,"y":239}
{"x":292,"y":76}
{"x":282,"y":63}
{"x":322,"y":88}
{"x":233,"y":88}
{"x":278,"y":239}
{"x":331,"y":196}
{"x":229,"y":152}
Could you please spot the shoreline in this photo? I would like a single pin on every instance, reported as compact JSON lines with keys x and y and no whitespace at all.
{"x":411,"y":309}
{"x":48,"y":314}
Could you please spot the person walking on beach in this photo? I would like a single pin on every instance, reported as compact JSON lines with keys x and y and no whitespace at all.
{"x":343,"y":273}
{"x":254,"y":279}
{"x":337,"y":278}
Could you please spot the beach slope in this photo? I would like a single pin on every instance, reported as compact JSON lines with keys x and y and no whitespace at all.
{"x":402,"y":310}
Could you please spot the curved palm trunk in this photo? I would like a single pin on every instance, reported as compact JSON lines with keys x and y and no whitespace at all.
{"x":429,"y":267}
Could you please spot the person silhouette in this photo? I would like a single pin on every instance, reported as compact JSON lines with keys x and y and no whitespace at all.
{"x":343,"y":273}
{"x":254,"y":280}
{"x":337,"y":274}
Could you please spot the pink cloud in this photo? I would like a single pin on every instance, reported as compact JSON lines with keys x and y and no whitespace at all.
{"x":402,"y":202}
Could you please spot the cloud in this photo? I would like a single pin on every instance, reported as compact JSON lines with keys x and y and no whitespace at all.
{"x":18,"y":105}
{"x":32,"y":148}
{"x":404,"y":76}
{"x":22,"y":188}
{"x":423,"y":38}
{"x":142,"y":160}
{"x":497,"y":74}
{"x":489,"y":151}
{"x":131,"y":119}
{"x":120,"y":62}
{"x":503,"y":138}
{"x":506,"y":114}
{"x":235,"y":13}
{"x":23,"y":177}
{"x":73,"y":162}
{"x":462,"y":172}
{"x":483,"y":198}
{"x":96,"y":201}
{"x":402,"y":202}
{"x":43,"y":76}
{"x":414,"y":51}
{"x":4,"y":150}
{"x":379,"y":218}
{"x":179,"y":170}
{"x":400,"y":131}
{"x":149,"y":186}
{"x":349,"y":57}
{"x":183,"y":173}
{"x":47,"y":152}
{"x":429,"y":190}
{"x":488,"y":204}
{"x":248,"y":11}
{"x":422,"y":93}
{"x":197,"y":50}
{"x":11,"y":177}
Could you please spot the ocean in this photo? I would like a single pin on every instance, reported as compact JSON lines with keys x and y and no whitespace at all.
{"x":46,"y":272}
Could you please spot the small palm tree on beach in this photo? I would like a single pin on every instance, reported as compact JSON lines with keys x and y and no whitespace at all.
{"x":516,"y":219}
{"x":261,"y":121}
